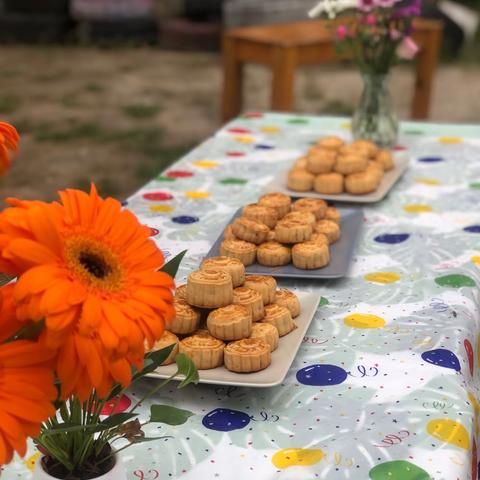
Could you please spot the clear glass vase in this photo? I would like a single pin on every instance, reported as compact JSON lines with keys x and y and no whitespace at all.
{"x":375,"y":119}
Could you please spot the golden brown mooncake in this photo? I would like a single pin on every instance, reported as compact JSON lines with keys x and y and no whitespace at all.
{"x":266,"y":332}
{"x":278,"y":201}
{"x":310,"y":255}
{"x":316,"y":206}
{"x":247,"y":355}
{"x":330,"y":229}
{"x":233,"y":266}
{"x":280,"y":317}
{"x":246,"y":252}
{"x":292,"y":231}
{"x":300,"y":180}
{"x":186,"y":320}
{"x":209,"y":289}
{"x":260,"y":213}
{"x":273,"y":254}
{"x":204,"y":350}
{"x":288,"y":299}
{"x":264,"y":285}
{"x":329,"y":183}
{"x":252,"y":300}
{"x":250,"y":230}
{"x":232,"y":322}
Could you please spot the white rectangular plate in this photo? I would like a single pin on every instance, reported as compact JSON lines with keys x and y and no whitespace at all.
{"x":279,"y":184}
{"x":282,"y":357}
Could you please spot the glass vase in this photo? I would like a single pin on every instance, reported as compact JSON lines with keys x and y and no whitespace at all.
{"x":375,"y":119}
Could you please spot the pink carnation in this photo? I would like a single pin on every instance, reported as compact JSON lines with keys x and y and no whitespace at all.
{"x":407,"y":49}
{"x":342,"y":32}
{"x":370,"y":19}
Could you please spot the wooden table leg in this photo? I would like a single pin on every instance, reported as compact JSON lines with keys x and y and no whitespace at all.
{"x":284,"y":65}
{"x":426,"y":64}
{"x":232,"y":96}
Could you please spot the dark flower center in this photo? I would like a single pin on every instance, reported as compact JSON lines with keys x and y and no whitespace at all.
{"x":94,"y":264}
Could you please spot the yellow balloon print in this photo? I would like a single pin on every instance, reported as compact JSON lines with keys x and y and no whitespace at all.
{"x":417,"y":208}
{"x":31,"y":461}
{"x":450,"y":140}
{"x":268,"y":129}
{"x":476,"y":408}
{"x":476,"y":260}
{"x":382,"y":277}
{"x":346,"y":126}
{"x":364,"y":320}
{"x":297,"y":457}
{"x":162,"y":209}
{"x":244,"y":139}
{"x":428,"y":181}
{"x":206,"y":164}
{"x":197,"y":195}
{"x":449,"y":431}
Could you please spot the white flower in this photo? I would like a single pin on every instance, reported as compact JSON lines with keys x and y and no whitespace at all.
{"x":332,"y":7}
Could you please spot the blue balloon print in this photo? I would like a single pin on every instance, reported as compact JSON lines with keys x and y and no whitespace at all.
{"x":124,"y":203}
{"x":262,"y":146}
{"x":430,"y":159}
{"x":392,"y":238}
{"x":443,"y":358}
{"x":185,"y":219}
{"x":321,"y":375}
{"x":473,"y":229}
{"x":225,"y":420}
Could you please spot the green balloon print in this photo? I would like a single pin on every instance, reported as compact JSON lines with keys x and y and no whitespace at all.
{"x":398,"y":470}
{"x":456,"y":280}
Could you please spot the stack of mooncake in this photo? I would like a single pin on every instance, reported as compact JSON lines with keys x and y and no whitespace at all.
{"x":276,"y":231}
{"x":332,"y":167}
{"x":224,"y":317}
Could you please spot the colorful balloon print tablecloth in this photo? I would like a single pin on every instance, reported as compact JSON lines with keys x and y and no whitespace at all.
{"x":385,"y":384}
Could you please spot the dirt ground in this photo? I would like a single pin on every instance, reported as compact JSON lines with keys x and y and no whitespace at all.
{"x":119,"y":116}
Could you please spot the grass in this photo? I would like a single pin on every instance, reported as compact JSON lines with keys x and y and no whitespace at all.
{"x":164,"y":156}
{"x":76,"y":131}
{"x":9,"y":103}
{"x":139,"y":111}
{"x":146,"y":141}
{"x":70,"y":100}
{"x":106,"y":186}
{"x":94,"y":87}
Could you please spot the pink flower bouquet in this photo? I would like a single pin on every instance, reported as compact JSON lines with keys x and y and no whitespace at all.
{"x":380,"y":36}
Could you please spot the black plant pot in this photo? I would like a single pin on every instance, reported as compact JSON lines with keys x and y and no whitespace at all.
{"x":36,"y":6}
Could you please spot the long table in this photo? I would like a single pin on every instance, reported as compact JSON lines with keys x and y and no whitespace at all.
{"x":400,"y":332}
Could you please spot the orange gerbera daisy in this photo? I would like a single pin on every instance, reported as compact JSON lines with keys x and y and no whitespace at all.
{"x":26,"y":385}
{"x":8,"y":142}
{"x":90,"y":270}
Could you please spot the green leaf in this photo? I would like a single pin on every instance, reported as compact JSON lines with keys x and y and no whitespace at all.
{"x":69,"y":427}
{"x":154,"y":359}
{"x":115,"y":420}
{"x":171,"y":268}
{"x":169,"y":415}
{"x":31,"y":331}
{"x":186,"y":367}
